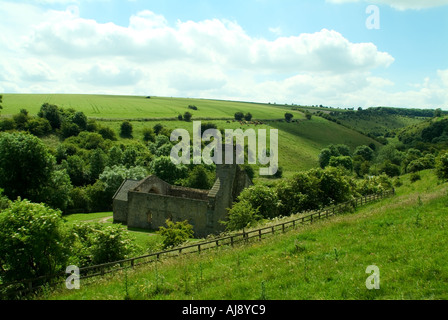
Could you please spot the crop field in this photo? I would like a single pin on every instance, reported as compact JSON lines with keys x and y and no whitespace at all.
{"x":134,"y":107}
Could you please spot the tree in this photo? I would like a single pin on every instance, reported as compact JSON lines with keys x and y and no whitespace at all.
{"x":442,"y":167}
{"x":157,"y":128}
{"x":80,"y":119}
{"x":107,"y":133}
{"x":175,"y":234}
{"x":166,"y":170}
{"x":437,"y":113}
{"x":365,"y":152}
{"x":52,"y":114}
{"x":126,"y":130}
{"x":149,"y":135}
{"x":187,"y":116}
{"x":288,"y":117}
{"x":248,"y":116}
{"x":342,"y":161}
{"x":34,"y":241}
{"x":324,"y":157}
{"x":1,"y":101}
{"x":113,"y":177}
{"x":98,"y":160}
{"x":38,"y":127}
{"x":199,"y":178}
{"x":308,"y":115}
{"x":25,"y":165}
{"x":239,"y":116}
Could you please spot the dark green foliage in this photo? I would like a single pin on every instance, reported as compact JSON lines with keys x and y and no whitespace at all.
{"x":239,"y":116}
{"x":435,"y":130}
{"x":187,"y":116}
{"x":242,"y":215}
{"x":365,"y":152}
{"x":415,"y":177}
{"x":52,"y":114}
{"x":98,"y":161}
{"x":332,"y":151}
{"x":80,"y":119}
{"x":308,"y":115}
{"x":38,"y":127}
{"x":166,"y":170}
{"x":442,"y":167}
{"x":76,"y":169}
{"x":345,"y":162}
{"x":192,"y":107}
{"x":7,"y":124}
{"x":88,"y":140}
{"x":262,"y":197}
{"x":21,"y":119}
{"x":126,"y":130}
{"x":149,"y":135}
{"x":248,"y":116}
{"x":390,"y":169}
{"x":69,"y":129}
{"x":176,"y":234}
{"x":199,"y":178}
{"x":158,"y":128}
{"x":107,"y":133}
{"x":98,"y":243}
{"x":115,"y":157}
{"x":288,"y":117}
{"x":25,"y":165}
{"x":34,"y":242}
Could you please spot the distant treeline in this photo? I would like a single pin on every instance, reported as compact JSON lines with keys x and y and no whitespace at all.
{"x":425,"y":113}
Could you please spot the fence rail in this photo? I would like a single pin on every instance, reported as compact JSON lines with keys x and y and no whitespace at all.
{"x":228,"y":240}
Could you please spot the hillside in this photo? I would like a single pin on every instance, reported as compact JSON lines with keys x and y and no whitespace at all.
{"x":299,"y":142}
{"x":404,"y":236}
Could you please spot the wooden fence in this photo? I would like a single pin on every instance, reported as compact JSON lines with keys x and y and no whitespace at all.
{"x":30,"y":285}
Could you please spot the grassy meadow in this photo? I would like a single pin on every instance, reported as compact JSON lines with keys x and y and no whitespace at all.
{"x":404,"y":236}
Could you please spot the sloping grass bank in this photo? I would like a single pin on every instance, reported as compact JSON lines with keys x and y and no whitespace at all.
{"x":405,"y":236}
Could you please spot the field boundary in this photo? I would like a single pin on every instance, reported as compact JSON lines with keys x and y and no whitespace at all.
{"x":30,"y":285}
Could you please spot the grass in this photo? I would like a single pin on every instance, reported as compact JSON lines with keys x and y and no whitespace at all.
{"x":131,"y":107}
{"x":405,"y":236}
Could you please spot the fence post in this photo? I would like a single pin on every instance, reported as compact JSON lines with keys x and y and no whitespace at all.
{"x":259,"y":234}
{"x":231,"y":241}
{"x":199,"y":248}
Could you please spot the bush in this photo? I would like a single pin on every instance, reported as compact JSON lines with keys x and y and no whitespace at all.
{"x":262,"y":197}
{"x":176,"y":234}
{"x":442,"y":167}
{"x":38,"y":127}
{"x":187,"y":116}
{"x":415,"y":177}
{"x":98,"y":243}
{"x":248,"y":116}
{"x":242,"y":215}
{"x":107,"y":133}
{"x":33,"y":241}
{"x":288,"y":117}
{"x":239,"y":116}
{"x":126,"y":130}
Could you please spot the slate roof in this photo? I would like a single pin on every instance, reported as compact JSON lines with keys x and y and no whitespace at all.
{"x":122,"y":192}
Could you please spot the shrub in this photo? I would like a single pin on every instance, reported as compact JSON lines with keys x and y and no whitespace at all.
{"x":126,"y":130}
{"x":288,"y":117}
{"x":415,"y":177}
{"x":187,"y":116}
{"x":442,"y":167}
{"x":175,"y":234}
{"x":239,"y":116}
{"x":33,"y":241}
{"x":242,"y":215}
{"x":262,"y":197}
{"x":98,"y":243}
{"x":107,"y":133}
{"x":248,"y":116}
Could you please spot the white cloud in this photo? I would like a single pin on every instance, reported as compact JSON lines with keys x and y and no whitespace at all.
{"x":400,"y":4}
{"x":59,"y":51}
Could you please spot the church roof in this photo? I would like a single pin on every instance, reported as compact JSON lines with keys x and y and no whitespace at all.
{"x":122,"y":192}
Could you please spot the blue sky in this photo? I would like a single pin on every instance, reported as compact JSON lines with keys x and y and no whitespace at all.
{"x":304,"y":52}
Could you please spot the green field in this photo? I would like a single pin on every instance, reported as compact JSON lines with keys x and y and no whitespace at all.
{"x":404,"y":236}
{"x":299,"y":142}
{"x":133,"y":107}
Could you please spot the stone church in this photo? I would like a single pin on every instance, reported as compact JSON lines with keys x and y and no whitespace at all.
{"x":148,"y":203}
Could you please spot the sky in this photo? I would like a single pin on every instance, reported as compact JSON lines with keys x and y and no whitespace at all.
{"x":338,"y":53}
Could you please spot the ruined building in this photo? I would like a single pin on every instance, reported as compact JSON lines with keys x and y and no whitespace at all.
{"x":148,"y":203}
